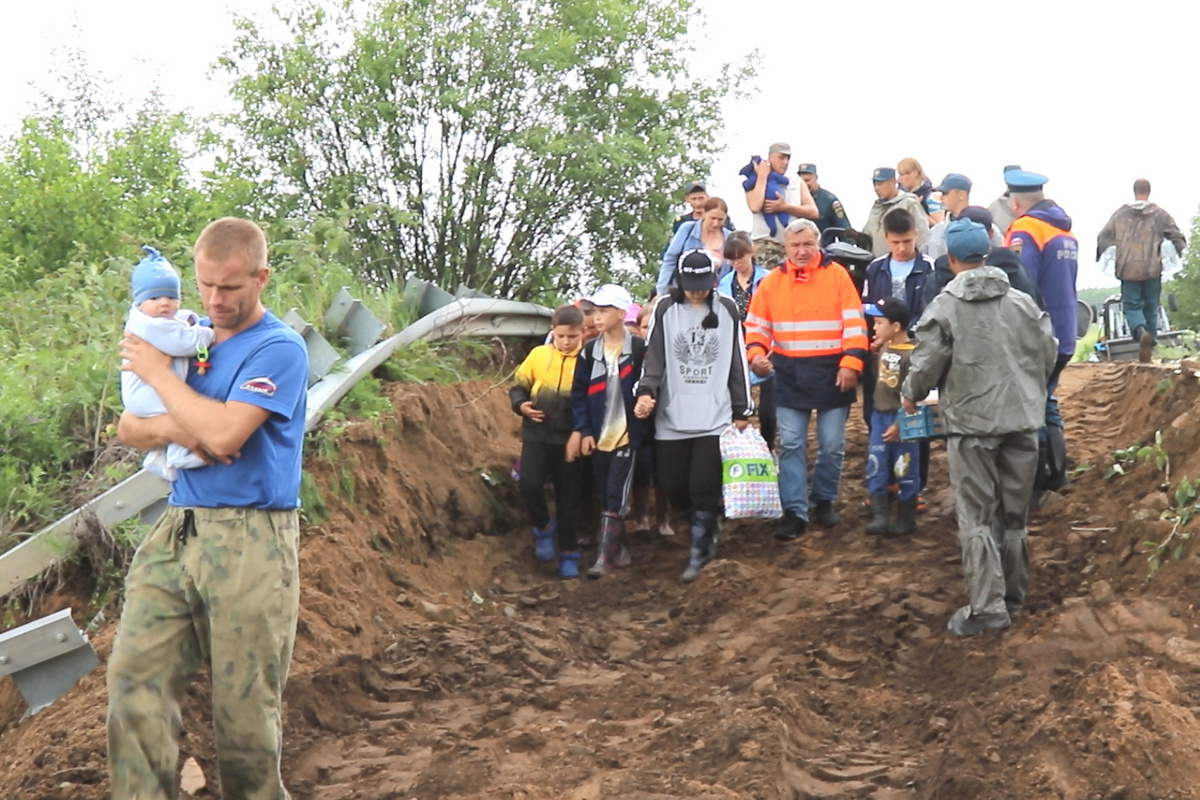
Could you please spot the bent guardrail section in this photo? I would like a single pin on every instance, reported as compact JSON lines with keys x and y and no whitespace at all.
{"x":470,"y":317}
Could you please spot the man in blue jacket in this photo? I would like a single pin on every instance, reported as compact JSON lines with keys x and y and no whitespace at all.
{"x":1041,"y":236}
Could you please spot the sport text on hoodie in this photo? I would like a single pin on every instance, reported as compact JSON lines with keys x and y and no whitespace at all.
{"x":697,"y":375}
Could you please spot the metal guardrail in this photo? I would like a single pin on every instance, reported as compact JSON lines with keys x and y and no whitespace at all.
{"x":144,"y":491}
{"x":47,"y":657}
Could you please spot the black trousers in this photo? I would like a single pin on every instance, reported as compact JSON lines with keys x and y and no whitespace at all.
{"x":540,"y":461}
{"x":614,"y":479}
{"x":768,"y":419}
{"x":689,"y":471}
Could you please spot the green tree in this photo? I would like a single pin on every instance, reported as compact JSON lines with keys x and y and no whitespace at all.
{"x":514,"y":146}
{"x":87,"y":183}
{"x":1186,"y":285}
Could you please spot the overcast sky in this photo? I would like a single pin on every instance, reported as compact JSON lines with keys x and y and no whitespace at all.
{"x":1092,"y":98}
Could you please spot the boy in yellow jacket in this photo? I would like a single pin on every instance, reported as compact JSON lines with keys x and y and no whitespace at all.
{"x":541,"y":395}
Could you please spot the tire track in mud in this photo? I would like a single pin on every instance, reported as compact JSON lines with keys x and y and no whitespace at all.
{"x":819,"y":669}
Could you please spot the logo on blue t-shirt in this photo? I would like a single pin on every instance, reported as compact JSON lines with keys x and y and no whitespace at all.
{"x":263,"y":386}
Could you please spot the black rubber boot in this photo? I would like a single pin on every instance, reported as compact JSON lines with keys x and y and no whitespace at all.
{"x":791,"y":528}
{"x":879,"y":510}
{"x":704,"y":547}
{"x":1057,"y":458}
{"x":825,"y":515}
{"x":906,"y":519}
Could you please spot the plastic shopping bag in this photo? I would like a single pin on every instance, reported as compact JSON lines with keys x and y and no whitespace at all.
{"x":1171,"y":262}
{"x":750,"y":478}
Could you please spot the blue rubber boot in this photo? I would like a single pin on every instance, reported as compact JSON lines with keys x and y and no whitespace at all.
{"x":704,"y":546}
{"x":568,"y":565}
{"x":543,"y":542}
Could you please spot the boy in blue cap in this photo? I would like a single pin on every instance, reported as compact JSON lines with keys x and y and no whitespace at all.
{"x":889,"y":458}
{"x":157,"y":318}
{"x":989,"y":349}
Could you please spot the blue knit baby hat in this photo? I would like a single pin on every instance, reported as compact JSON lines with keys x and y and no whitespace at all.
{"x":154,"y":277}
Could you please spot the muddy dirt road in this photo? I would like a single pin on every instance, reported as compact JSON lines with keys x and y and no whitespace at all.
{"x":435,"y":660}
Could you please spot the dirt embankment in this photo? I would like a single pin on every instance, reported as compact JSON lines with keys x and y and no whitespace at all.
{"x":815,"y":670}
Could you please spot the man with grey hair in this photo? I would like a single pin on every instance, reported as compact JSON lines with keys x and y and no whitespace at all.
{"x":796,"y":202}
{"x":1041,"y":236}
{"x":805,"y":323}
{"x":1138,"y":231}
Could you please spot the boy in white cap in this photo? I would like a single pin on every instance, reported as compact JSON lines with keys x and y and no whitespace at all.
{"x":157,"y":318}
{"x":605,"y":428}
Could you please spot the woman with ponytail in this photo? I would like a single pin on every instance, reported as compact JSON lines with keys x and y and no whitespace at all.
{"x":695,"y":382}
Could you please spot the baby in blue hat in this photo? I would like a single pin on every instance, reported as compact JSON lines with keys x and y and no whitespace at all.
{"x":157,"y":318}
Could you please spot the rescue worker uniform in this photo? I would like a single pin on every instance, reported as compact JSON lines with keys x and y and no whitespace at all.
{"x":1042,"y":238}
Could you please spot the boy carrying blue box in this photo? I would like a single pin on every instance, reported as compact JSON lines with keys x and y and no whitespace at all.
{"x":890,"y":460}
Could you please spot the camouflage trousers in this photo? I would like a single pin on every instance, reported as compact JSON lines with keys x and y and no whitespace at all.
{"x":216,"y":587}
{"x":770,"y":253}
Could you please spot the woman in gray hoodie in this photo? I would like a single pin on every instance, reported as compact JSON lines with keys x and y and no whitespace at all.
{"x":696,"y":383}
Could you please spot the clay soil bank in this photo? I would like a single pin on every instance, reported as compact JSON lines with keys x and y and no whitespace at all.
{"x":436,"y":660}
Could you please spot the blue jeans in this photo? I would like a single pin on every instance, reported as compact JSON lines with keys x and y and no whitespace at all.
{"x":793,"y":456}
{"x":888,"y":461}
{"x":1139,"y":301}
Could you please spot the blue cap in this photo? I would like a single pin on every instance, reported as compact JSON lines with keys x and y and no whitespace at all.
{"x":1019,"y":180}
{"x":967,"y":241}
{"x":806,"y":169}
{"x":954,"y":181}
{"x":1010,"y":167}
{"x":891,"y":308}
{"x":884,"y":174}
{"x":153,"y":277}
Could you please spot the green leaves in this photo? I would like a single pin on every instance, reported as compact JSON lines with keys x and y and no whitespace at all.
{"x":522,"y":147}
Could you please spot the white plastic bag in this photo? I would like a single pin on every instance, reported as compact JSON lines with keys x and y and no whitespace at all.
{"x":749,"y":476}
{"x":1171,"y":262}
{"x":1108,"y":261}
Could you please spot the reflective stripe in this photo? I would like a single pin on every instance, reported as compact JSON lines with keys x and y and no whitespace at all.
{"x":802,"y":347}
{"x":754,"y":319}
{"x":810,"y":325}
{"x":851,"y":313}
{"x":854,"y":332}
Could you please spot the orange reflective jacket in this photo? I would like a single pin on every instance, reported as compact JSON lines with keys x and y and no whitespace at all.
{"x":809,"y":321}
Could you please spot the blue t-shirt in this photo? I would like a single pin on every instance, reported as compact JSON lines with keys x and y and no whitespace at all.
{"x":900,"y":271}
{"x":267,"y":366}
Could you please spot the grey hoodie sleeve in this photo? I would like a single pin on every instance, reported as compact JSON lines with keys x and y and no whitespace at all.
{"x":930,"y":358}
{"x":739,"y":375}
{"x":656,"y":352}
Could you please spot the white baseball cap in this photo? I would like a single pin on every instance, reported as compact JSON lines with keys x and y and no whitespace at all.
{"x":611,"y":295}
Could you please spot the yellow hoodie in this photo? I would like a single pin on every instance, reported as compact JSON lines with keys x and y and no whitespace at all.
{"x":545,"y":378}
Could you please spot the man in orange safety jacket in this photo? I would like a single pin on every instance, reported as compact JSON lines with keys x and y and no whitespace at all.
{"x":805,"y":325}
